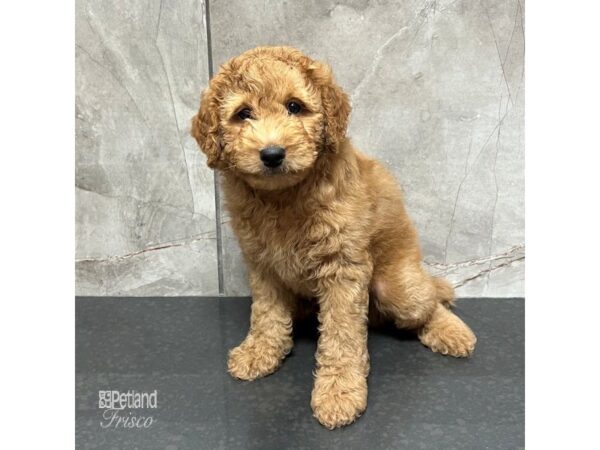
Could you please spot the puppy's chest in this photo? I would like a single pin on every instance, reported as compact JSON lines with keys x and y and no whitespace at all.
{"x":295,"y":246}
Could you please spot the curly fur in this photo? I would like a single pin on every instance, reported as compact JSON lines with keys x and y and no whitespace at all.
{"x":328,"y":227}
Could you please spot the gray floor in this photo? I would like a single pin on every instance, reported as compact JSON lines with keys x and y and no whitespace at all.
{"x":178,"y":346}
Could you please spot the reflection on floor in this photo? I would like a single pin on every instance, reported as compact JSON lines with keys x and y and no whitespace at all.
{"x":177,"y":347}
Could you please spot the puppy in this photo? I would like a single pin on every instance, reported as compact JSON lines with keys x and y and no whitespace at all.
{"x":316,"y":221}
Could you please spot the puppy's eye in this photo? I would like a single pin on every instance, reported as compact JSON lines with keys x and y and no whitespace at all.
{"x":244,"y":114}
{"x":294,"y":107}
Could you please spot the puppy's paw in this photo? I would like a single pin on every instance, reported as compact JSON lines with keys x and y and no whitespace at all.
{"x":448,"y":335}
{"x":252,"y":361}
{"x":338,"y":400}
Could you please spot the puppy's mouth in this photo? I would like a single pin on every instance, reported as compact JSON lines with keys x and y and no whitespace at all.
{"x":270,"y":178}
{"x":274,"y":171}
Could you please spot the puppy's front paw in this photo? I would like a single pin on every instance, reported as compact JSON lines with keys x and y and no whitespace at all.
{"x":253,"y":360}
{"x":339,"y":400}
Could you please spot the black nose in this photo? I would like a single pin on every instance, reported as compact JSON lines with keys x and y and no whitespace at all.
{"x":272,"y":156}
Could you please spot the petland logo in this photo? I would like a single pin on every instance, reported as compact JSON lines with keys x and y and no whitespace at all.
{"x":116,"y":405}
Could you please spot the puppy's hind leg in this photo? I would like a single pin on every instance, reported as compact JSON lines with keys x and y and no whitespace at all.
{"x":414,"y":300}
{"x":446,"y":333}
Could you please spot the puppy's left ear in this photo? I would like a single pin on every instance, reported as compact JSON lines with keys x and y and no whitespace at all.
{"x":206,"y":127}
{"x":336,"y":106}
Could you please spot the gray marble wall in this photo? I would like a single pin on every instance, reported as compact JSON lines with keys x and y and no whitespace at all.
{"x":437,"y":95}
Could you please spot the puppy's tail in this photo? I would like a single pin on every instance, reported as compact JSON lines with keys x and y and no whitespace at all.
{"x":445,"y":291}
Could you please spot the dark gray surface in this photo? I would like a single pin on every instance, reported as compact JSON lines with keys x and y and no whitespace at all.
{"x":178,"y":346}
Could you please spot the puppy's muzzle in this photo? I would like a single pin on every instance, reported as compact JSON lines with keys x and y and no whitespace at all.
{"x":272,"y":156}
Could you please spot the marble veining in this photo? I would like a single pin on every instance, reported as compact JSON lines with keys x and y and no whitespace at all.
{"x":145,"y":199}
{"x":437,"y":96}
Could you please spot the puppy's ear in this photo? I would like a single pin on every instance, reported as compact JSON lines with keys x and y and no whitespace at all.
{"x":336,"y":106}
{"x":206,"y":128}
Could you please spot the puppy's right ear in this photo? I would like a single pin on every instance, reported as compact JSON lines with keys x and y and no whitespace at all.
{"x":336,"y":106}
{"x":206,"y":128}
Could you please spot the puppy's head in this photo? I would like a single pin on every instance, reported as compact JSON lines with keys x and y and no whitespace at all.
{"x":268,"y":115}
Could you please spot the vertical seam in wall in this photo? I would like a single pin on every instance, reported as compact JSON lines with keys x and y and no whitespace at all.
{"x":215,"y":174}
